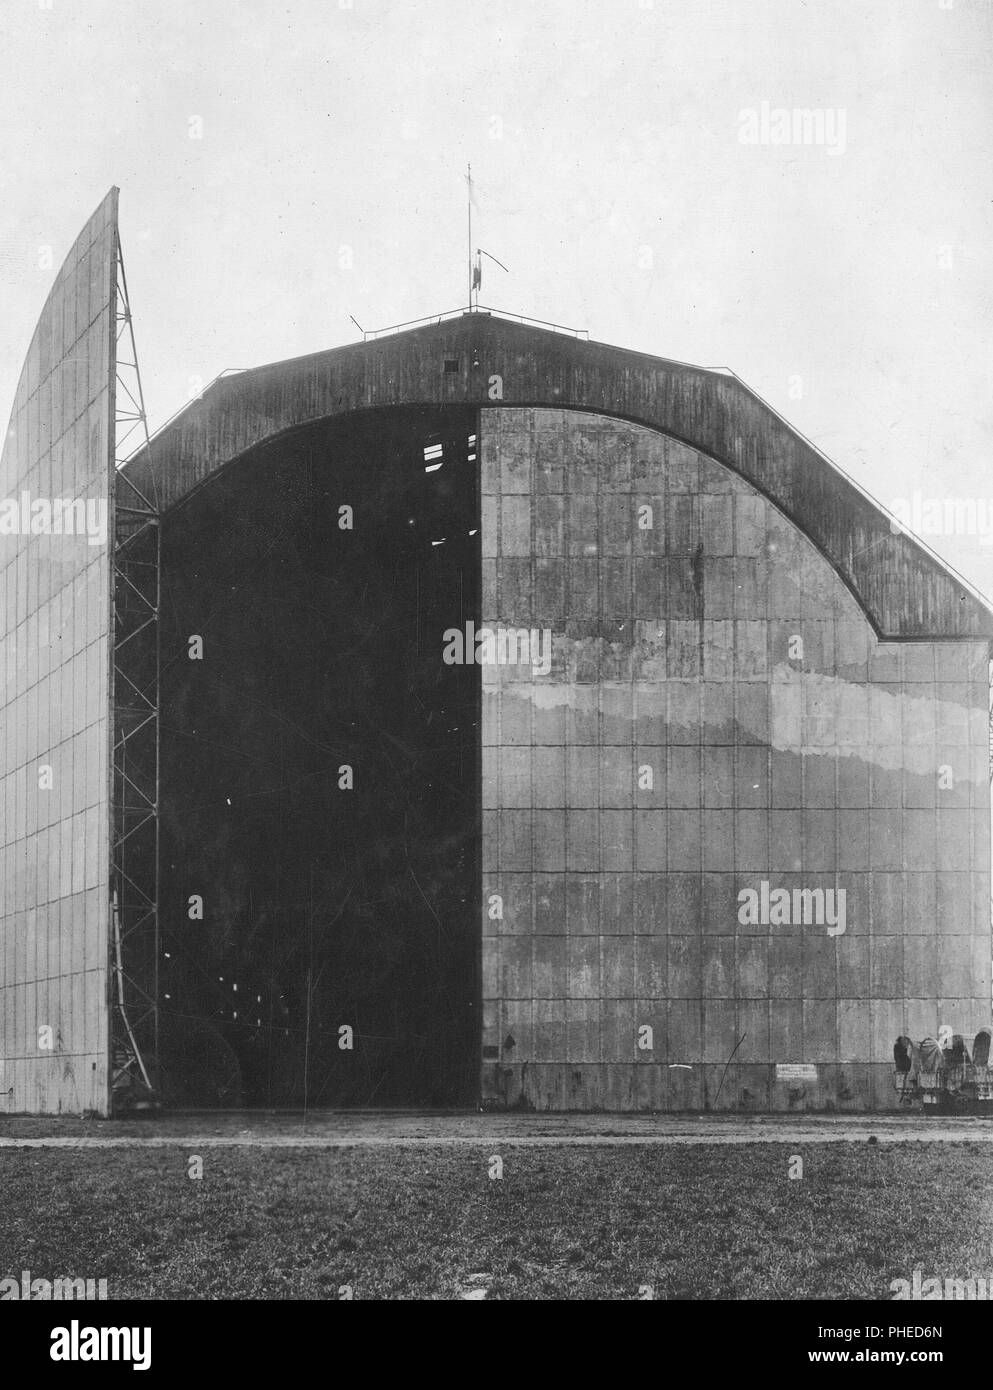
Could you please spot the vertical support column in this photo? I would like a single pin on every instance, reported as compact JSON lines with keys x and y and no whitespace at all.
{"x":134,"y":934}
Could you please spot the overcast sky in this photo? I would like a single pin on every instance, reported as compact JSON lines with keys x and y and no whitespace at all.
{"x":629,"y":173}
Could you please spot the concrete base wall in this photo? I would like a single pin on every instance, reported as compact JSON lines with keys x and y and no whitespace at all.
{"x":637,"y":1086}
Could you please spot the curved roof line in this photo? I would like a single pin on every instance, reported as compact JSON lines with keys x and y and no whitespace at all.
{"x":905,"y":590}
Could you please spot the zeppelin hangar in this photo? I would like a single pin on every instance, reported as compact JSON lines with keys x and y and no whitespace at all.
{"x":475,"y":715}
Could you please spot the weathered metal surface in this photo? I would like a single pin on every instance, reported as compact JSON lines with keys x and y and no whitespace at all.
{"x":815,"y":773}
{"x":715,"y":717}
{"x":904,"y":591}
{"x":55,"y":632}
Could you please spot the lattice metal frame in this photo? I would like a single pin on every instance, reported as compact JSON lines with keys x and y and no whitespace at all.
{"x":136,"y":580}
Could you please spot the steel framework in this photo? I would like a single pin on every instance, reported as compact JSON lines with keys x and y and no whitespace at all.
{"x":135,"y":929}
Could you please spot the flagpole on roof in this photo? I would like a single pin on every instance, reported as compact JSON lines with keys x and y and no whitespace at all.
{"x":468,"y":179}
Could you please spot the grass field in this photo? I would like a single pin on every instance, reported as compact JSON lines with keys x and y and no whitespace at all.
{"x":691,"y":1223}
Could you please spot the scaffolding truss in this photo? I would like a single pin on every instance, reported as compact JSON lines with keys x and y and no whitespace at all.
{"x":135,"y":928}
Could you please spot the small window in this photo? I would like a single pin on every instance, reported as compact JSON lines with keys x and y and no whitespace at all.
{"x":451,"y":365}
{"x":490,"y":1053}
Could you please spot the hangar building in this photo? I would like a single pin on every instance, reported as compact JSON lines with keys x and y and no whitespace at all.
{"x":473,"y":715}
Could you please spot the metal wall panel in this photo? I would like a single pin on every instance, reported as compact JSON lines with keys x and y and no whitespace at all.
{"x":55,"y":640}
{"x":718,"y":648}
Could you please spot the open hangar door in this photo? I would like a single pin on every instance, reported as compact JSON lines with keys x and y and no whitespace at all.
{"x":320,"y":772}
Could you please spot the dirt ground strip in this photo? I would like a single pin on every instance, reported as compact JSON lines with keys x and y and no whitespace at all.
{"x":337,"y":1129}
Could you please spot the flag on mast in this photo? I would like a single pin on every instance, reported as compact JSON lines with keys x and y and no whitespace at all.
{"x":471,"y":188}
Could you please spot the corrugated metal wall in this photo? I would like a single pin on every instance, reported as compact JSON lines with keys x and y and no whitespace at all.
{"x":54,"y":693}
{"x":717,"y":648}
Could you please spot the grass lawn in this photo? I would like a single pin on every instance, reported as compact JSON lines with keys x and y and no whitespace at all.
{"x":599,"y":1223}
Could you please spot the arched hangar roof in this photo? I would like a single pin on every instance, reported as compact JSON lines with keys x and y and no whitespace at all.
{"x":905,"y":591}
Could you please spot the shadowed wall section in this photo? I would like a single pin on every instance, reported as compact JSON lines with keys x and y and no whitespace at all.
{"x":718,"y":715}
{"x":320,"y":772}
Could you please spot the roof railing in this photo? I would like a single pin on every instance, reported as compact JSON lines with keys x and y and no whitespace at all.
{"x":369,"y":335}
{"x":228,"y":371}
{"x":896,"y":526}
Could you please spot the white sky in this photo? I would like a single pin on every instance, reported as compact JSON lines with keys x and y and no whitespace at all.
{"x":594,"y":130}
